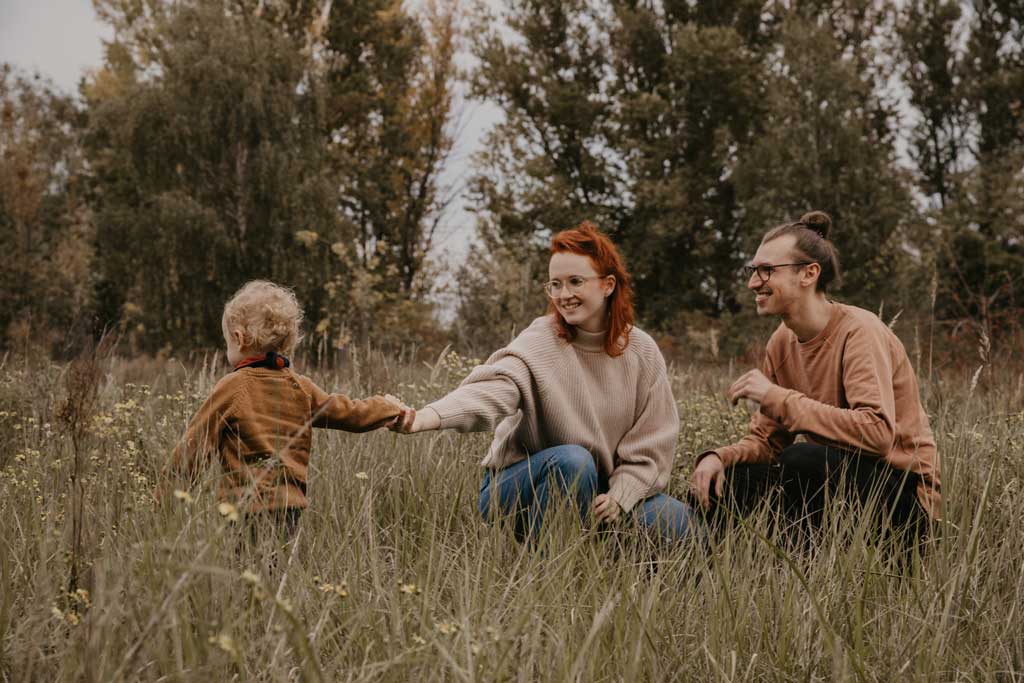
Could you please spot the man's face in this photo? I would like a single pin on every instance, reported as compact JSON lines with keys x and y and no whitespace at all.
{"x":782,"y":290}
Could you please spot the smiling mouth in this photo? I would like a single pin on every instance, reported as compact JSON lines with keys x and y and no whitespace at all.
{"x":570,"y":307}
{"x":762,"y":295}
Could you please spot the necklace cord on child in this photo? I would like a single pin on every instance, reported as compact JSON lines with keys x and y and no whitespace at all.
{"x":271,"y":359}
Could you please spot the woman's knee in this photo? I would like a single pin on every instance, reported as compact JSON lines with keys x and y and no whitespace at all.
{"x":669,"y":519}
{"x":573,"y":463}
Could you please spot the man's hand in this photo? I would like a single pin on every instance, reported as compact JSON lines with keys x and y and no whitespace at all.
{"x":411,"y":422}
{"x":606,"y":510}
{"x":753,"y":385}
{"x":710,"y":471}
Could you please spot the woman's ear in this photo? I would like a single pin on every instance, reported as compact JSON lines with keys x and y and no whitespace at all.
{"x":609,"y":285}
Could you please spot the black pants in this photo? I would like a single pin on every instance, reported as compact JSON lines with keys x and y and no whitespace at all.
{"x":808,"y":475}
{"x":280,"y":526}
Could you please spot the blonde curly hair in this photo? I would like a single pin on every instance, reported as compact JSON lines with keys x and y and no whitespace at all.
{"x":268,"y":316}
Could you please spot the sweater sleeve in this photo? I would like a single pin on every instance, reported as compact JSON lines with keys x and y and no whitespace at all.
{"x":869,"y":422}
{"x":337,"y":411}
{"x":201,"y":440}
{"x":646,"y":451}
{"x":765,"y":439}
{"x":489,"y":394}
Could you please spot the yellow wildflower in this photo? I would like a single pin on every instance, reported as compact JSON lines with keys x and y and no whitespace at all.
{"x":447,"y":627}
{"x":228,"y":510}
{"x":341,"y":589}
{"x":225,"y":642}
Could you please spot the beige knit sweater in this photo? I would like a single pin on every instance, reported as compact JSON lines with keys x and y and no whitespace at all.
{"x":542,"y":391}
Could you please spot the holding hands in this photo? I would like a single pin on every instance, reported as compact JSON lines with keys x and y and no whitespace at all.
{"x":409,"y":421}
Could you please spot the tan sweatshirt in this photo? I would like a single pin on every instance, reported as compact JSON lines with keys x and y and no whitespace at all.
{"x":542,"y":391}
{"x":851,"y":386}
{"x":257,"y":424}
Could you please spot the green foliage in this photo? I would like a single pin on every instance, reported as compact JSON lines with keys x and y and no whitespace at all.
{"x":826,"y":143}
{"x":934,"y":73}
{"x":965,"y":71}
{"x":686,"y":130}
{"x":227,"y":139}
{"x":689,"y":95}
{"x":223,"y":140}
{"x":549,"y":163}
{"x":47,"y":262}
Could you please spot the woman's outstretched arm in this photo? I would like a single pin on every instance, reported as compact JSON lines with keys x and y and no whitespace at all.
{"x":489,"y":394}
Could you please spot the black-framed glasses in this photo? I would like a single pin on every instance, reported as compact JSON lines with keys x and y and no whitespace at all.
{"x":571,"y":284}
{"x":764,"y":270}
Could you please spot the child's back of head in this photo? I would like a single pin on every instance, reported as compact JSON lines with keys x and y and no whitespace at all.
{"x":262,"y":317}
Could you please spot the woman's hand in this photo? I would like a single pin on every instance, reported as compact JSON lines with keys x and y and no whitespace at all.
{"x":709,"y":472}
{"x":606,"y":510}
{"x":409,"y":421}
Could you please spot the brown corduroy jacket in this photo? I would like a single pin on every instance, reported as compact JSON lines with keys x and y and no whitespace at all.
{"x":257,"y":422}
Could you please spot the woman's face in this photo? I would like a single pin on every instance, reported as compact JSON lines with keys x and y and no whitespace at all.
{"x":579,"y":292}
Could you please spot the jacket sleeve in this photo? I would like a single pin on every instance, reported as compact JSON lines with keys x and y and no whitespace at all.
{"x":869,"y":422}
{"x":645,"y":453}
{"x":201,"y":441}
{"x":337,"y":411}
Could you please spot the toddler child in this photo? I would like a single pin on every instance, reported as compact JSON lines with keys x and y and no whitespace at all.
{"x":257,"y":420}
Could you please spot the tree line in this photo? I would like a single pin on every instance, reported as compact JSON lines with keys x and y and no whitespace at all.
{"x":306,"y":142}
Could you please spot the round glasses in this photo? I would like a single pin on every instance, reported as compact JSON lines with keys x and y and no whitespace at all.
{"x":571,"y":284}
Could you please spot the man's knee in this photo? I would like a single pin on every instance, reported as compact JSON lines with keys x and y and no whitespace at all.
{"x":803,"y":457}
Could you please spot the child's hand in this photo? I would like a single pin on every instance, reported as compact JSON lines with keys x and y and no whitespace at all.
{"x":405,"y":418}
{"x":410,"y":422}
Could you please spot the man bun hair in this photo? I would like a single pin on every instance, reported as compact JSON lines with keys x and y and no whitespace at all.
{"x":819,"y":222}
{"x":812,"y":244}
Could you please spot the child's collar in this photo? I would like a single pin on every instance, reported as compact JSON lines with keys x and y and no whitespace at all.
{"x":272,"y":360}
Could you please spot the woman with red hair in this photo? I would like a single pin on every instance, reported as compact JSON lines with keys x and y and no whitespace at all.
{"x":580,"y":402}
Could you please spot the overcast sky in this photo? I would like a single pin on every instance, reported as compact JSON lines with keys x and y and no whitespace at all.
{"x":59,"y":38}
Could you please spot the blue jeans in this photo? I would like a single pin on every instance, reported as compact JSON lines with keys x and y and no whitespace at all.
{"x":522,"y":490}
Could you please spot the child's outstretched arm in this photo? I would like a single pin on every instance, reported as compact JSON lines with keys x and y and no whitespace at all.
{"x":337,"y":411}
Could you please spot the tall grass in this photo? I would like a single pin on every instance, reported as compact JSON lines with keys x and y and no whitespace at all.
{"x":394,"y":577}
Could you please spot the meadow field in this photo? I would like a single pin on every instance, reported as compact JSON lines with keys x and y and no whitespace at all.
{"x":394,"y":577}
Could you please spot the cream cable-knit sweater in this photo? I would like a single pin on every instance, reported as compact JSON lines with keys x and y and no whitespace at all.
{"x":541,"y":391}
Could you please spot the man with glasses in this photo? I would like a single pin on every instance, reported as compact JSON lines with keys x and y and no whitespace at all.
{"x":836,"y":375}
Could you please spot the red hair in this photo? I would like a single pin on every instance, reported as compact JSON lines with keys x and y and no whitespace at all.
{"x":586,"y":240}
